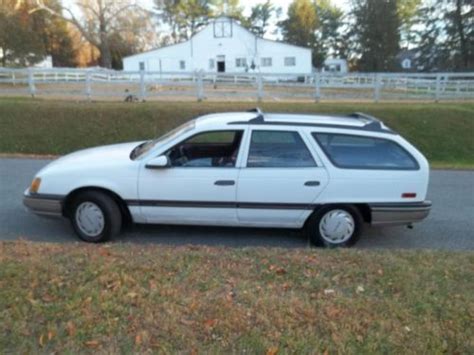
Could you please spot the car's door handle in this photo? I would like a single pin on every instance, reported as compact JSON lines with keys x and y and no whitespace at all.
{"x":224,"y":183}
{"x":312,"y":183}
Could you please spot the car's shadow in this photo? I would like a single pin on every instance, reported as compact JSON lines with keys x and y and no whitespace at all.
{"x":213,"y":236}
{"x":35,"y":228}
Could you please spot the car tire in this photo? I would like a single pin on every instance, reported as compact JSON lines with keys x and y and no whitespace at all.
{"x":334,"y":226}
{"x":95,"y":216}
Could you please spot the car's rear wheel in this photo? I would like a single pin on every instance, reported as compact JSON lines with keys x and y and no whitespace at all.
{"x":95,"y":216}
{"x":335,"y":226}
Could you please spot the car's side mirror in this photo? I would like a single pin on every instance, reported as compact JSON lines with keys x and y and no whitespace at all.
{"x":160,"y":162}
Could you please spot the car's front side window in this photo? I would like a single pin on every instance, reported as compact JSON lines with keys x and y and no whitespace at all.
{"x":207,"y":149}
{"x":142,"y":149}
{"x":361,"y":152}
{"x":278,"y":149}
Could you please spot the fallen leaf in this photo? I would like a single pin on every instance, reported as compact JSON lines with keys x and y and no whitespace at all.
{"x":272,"y":350}
{"x":132,"y":294}
{"x":138,"y":339}
{"x":360,"y":289}
{"x":47,"y":298}
{"x":92,"y":343}
{"x":380,"y":272}
{"x":210,"y":323}
{"x":329,"y":291}
{"x":41,"y":340}
{"x":104,"y":252}
{"x":71,"y":328}
{"x":50,"y":335}
{"x":280,"y":271}
{"x":333,"y":312}
{"x":230,"y":296}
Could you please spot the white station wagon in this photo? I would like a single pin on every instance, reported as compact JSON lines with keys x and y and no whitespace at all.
{"x":326,"y":174}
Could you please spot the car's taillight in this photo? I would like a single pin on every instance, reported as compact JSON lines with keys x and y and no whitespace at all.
{"x":408,"y":195}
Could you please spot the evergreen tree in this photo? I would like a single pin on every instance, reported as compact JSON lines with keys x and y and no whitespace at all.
{"x":459,"y":22}
{"x":260,"y":17}
{"x":54,"y":35}
{"x":300,"y":27}
{"x":445,"y":39}
{"x":20,"y":44}
{"x":185,"y":17}
{"x":330,"y":40}
{"x":376,"y":31}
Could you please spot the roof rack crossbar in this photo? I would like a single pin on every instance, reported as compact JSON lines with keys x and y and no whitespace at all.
{"x":373,"y":122}
{"x":256,"y":110}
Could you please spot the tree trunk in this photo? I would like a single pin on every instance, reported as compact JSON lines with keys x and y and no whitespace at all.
{"x":105,"y":55}
{"x":462,"y":37}
{"x":4,"y":57}
{"x":104,"y":48}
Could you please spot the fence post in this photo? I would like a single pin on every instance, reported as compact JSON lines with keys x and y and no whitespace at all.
{"x":31,"y":83}
{"x":438,"y":87}
{"x":377,"y":87}
{"x":199,"y":86}
{"x":259,"y":87}
{"x":142,"y":85}
{"x":317,"y":86}
{"x":88,"y":85}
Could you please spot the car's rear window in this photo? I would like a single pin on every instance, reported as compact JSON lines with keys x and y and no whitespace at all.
{"x":360,"y":152}
{"x":278,"y":149}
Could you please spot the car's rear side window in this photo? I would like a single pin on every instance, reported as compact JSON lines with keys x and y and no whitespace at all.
{"x":278,"y":149}
{"x":360,"y":152}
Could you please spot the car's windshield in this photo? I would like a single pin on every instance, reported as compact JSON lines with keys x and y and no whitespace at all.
{"x":143,"y":148}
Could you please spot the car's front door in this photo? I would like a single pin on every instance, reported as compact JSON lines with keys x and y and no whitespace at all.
{"x":280,"y":179}
{"x":198,"y":186}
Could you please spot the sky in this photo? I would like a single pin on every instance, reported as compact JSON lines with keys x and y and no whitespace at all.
{"x":248,"y":4}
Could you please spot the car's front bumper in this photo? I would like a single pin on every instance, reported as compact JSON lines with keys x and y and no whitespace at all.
{"x":399,"y":213}
{"x":42,"y":204}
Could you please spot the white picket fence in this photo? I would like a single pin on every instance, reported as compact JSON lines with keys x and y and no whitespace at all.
{"x":103,"y":84}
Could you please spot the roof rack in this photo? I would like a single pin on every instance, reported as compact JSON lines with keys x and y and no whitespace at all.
{"x":256,"y":110}
{"x":259,"y":118}
{"x":374,"y":123}
{"x":371,"y":123}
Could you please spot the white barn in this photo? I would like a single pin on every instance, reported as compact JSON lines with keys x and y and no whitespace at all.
{"x":224,"y":46}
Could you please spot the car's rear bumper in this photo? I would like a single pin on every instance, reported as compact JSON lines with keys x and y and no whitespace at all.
{"x":399,"y":213}
{"x":42,"y":204}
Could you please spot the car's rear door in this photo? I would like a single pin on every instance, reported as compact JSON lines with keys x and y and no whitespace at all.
{"x":280,"y":178}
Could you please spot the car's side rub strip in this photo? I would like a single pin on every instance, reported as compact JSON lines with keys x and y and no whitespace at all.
{"x":221,"y":204}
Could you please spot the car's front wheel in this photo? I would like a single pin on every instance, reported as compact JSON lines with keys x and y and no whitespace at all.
{"x":335,"y":226}
{"x":95,"y":216}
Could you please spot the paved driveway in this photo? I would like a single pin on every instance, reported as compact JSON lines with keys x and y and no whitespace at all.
{"x":449,"y":226}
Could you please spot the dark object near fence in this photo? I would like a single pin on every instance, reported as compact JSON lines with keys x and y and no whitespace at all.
{"x":130,"y":97}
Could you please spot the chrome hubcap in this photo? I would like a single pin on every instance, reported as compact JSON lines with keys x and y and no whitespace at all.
{"x":90,"y":219}
{"x":336,"y":226}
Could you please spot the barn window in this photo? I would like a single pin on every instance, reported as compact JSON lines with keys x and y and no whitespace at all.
{"x":141,"y":65}
{"x":223,"y":29}
{"x":290,"y":61}
{"x":267,"y":62}
{"x":211,"y":63}
{"x":241,"y":62}
{"x":182,"y":64}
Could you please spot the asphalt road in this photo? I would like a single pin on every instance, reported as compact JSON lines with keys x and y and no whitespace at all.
{"x":450,"y":225}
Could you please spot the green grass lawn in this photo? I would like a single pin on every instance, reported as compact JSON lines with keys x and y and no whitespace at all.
{"x":443,"y":132}
{"x":68,"y":298}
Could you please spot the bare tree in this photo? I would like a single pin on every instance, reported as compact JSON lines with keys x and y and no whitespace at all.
{"x":97,"y":21}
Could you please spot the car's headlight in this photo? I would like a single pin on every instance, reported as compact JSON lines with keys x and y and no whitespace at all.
{"x":35,"y":184}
